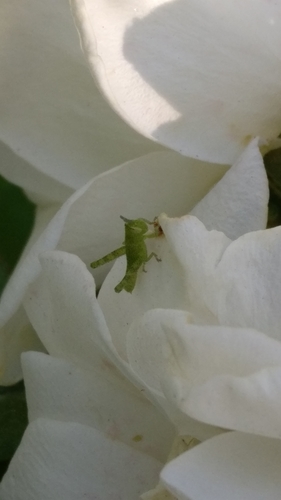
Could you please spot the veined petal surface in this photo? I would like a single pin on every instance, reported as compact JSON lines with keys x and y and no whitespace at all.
{"x":201,"y":78}
{"x":52,"y":114}
{"x":68,"y":461}
{"x":100,"y":398}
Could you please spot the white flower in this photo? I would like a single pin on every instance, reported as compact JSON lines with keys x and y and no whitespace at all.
{"x":206,"y":349}
{"x":200,"y":77}
{"x":78,"y":400}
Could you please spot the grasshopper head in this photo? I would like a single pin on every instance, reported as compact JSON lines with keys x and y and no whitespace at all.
{"x":138,"y":225}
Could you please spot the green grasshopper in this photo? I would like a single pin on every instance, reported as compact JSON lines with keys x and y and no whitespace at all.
{"x":134,"y":247}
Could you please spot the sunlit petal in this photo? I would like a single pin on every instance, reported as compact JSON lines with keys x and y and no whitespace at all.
{"x":201,"y":78}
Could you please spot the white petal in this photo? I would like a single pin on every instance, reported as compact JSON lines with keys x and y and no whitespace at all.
{"x":28,"y":267}
{"x":16,"y":336}
{"x":59,"y":390}
{"x":200,"y":78}
{"x":233,"y":466}
{"x":40,"y":188}
{"x":227,"y":377}
{"x":248,"y":404}
{"x":239,"y":282}
{"x":198,"y":251}
{"x":248,"y":282}
{"x":43,"y":216}
{"x":221,"y":376}
{"x":148,"y":350}
{"x":68,"y":461}
{"x":237,"y":204}
{"x":53,"y":116}
{"x":152,"y":356}
{"x":65,"y":296}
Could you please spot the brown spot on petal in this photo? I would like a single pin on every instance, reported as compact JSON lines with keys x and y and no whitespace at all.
{"x":137,"y":438}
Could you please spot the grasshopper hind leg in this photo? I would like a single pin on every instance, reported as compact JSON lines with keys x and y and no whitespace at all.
{"x":108,"y":258}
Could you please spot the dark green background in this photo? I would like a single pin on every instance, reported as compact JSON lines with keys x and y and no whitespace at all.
{"x":17,"y":215}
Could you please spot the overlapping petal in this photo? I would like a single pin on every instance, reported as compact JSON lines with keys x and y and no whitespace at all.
{"x":238,"y":203}
{"x":52,"y":115}
{"x":230,"y":284}
{"x":40,"y":187}
{"x":238,"y":282}
{"x":98,"y":397}
{"x":79,"y":313}
{"x":233,"y":466}
{"x":200,"y":78}
{"x":70,"y":461}
{"x":227,"y":377}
